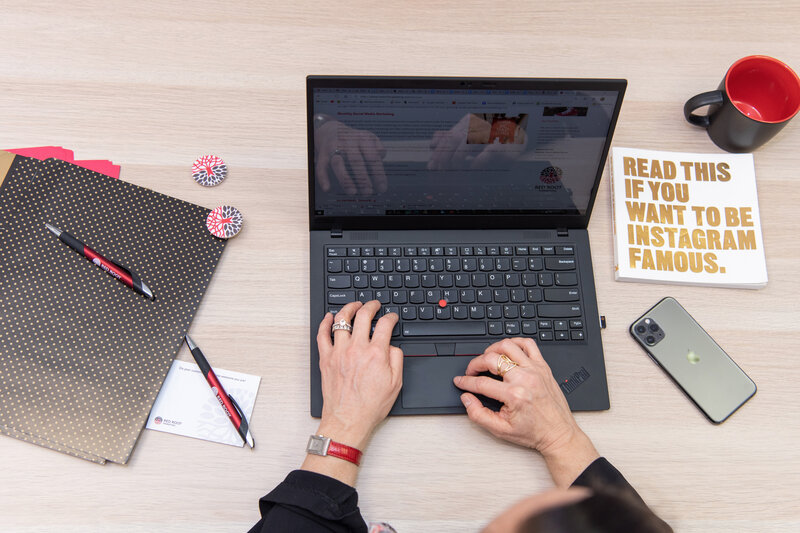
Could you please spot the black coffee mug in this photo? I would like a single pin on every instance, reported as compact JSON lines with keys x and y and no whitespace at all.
{"x":756,"y":99}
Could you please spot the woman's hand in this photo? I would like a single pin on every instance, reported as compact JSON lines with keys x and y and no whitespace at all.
{"x":361,"y":376}
{"x":534,"y":413}
{"x":339,"y":147}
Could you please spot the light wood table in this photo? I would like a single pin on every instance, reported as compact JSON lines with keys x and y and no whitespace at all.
{"x":153,"y":85}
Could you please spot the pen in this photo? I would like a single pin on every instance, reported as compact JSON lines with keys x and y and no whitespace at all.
{"x":118,"y":271}
{"x":227,"y":402}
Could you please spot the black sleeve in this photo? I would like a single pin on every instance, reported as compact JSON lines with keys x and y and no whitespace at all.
{"x":310,"y":502}
{"x":602,"y":475}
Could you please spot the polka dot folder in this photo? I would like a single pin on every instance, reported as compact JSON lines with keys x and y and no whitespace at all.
{"x":82,"y":356}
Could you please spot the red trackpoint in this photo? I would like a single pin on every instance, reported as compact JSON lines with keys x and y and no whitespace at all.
{"x":442,"y":303}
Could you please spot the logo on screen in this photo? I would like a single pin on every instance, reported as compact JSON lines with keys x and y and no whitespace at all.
{"x":550,"y":175}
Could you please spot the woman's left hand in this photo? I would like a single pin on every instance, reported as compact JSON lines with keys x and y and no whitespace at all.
{"x":361,"y":376}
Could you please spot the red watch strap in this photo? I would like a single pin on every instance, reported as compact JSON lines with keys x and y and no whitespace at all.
{"x":343,"y":451}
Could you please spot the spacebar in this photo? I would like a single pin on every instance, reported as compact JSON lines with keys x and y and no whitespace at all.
{"x":422,"y":329}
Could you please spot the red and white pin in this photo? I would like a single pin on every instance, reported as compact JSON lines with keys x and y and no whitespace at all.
{"x":209,"y":170}
{"x":224,"y":222}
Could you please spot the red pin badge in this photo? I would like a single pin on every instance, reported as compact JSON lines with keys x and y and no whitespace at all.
{"x":224,"y":222}
{"x":209,"y":170}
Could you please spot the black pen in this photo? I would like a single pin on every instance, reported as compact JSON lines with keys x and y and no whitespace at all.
{"x":124,"y":275}
{"x":229,"y":405}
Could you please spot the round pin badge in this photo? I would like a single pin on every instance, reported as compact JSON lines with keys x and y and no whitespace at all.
{"x":209,"y":170}
{"x":224,"y":222}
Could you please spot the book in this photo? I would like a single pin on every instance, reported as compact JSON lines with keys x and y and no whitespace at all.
{"x":686,"y":218}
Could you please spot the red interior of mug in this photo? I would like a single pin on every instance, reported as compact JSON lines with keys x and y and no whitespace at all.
{"x":763,"y":88}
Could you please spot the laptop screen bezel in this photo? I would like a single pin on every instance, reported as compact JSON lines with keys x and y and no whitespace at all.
{"x":411,"y":222}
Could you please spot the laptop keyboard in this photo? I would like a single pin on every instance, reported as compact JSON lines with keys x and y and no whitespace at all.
{"x":463,"y":291}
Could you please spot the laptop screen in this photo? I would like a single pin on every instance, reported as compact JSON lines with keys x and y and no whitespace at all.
{"x":468,"y":149}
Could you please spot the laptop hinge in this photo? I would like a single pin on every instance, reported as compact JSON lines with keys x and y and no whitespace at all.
{"x":562,"y":232}
{"x":336,"y":233}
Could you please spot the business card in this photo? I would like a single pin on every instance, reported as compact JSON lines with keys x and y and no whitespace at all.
{"x":187,"y":406}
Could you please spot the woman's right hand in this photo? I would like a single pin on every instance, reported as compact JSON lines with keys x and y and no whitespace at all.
{"x":534,"y":413}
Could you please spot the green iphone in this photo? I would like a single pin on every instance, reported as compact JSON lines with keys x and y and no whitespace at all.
{"x":694,"y":361}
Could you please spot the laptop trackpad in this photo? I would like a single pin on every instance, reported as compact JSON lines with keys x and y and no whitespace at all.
{"x":428,"y":381}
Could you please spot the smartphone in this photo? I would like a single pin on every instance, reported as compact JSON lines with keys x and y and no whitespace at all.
{"x":694,"y":361}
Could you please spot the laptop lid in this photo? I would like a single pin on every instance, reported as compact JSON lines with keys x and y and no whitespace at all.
{"x":439,"y":153}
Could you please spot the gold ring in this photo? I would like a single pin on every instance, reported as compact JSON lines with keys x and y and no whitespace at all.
{"x":505,"y":364}
{"x":342,"y":324}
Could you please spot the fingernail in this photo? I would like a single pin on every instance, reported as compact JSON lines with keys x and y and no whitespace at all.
{"x":466,"y":400}
{"x":457,"y":380}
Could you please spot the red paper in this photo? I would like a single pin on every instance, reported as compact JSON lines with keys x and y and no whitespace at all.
{"x":45,"y":152}
{"x":103,"y":167}
{"x":59,"y":152}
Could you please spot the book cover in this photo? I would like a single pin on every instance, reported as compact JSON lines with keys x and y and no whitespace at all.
{"x":686,"y":218}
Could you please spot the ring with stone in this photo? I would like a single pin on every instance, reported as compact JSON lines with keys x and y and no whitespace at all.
{"x":343,"y":325}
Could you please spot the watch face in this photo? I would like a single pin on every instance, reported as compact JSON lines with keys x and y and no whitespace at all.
{"x":318,"y":445}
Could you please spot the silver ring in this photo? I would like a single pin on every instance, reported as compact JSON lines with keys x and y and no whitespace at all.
{"x":337,"y":152}
{"x":342,"y":324}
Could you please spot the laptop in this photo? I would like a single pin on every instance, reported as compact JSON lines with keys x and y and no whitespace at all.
{"x":461,"y":204}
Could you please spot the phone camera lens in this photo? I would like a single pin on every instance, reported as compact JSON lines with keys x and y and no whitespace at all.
{"x":653,"y":327}
{"x":650,"y":340}
{"x":640,"y":329}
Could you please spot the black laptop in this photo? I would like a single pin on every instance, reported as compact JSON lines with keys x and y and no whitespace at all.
{"x":461,"y":204}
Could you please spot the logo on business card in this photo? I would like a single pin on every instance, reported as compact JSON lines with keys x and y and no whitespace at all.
{"x":166,"y":422}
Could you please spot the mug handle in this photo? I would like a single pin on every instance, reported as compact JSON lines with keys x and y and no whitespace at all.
{"x":709,"y":98}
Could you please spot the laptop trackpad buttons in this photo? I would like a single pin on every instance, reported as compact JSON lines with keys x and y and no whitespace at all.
{"x":428,"y":381}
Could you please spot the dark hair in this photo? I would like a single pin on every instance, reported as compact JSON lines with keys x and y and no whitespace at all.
{"x":605,"y":511}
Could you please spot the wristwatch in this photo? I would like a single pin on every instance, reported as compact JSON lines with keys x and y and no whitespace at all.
{"x":321,"y":445}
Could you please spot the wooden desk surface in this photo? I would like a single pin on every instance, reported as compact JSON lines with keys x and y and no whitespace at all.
{"x":153,"y":85}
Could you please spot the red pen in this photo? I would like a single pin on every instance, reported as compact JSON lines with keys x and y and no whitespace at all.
{"x":227,"y":402}
{"x":124,"y":275}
